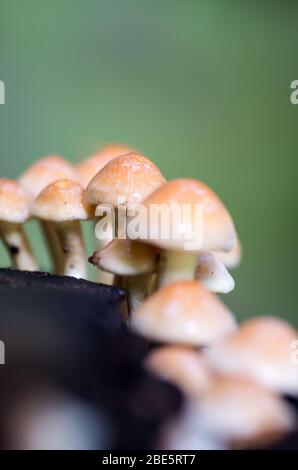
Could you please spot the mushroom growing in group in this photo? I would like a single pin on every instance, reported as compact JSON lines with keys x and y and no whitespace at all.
{"x":15,"y":205}
{"x":63,"y":204}
{"x":259,"y":350}
{"x":184,"y":312}
{"x":179,"y":250}
{"x":133,"y":261}
{"x":44,"y":171}
{"x":87,"y":169}
{"x":125,"y":181}
{"x":242,"y":413}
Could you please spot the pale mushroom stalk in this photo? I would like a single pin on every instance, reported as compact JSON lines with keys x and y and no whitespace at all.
{"x":72,"y":248}
{"x":17,"y":244}
{"x":35,"y":179}
{"x":63,"y":204}
{"x":130,"y":261}
{"x":53,"y":245}
{"x":137,"y":290}
{"x":176,"y":266}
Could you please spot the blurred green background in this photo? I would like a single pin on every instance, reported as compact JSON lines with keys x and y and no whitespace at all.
{"x":201,"y":87}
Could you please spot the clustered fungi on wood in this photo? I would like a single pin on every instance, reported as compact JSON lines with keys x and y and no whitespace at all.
{"x":234,"y":378}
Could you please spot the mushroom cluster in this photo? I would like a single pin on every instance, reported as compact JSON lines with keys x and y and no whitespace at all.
{"x":234,"y":377}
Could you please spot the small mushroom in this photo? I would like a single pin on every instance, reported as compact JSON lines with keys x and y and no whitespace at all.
{"x":259,"y":350}
{"x":131,"y":260}
{"x":177,"y":260}
{"x":127,"y":179}
{"x":183,"y":366}
{"x":184,"y":312}
{"x":44,"y":171}
{"x":86,"y":170}
{"x":212,"y":273}
{"x":63,"y":203}
{"x":15,"y":205}
{"x":242,"y":413}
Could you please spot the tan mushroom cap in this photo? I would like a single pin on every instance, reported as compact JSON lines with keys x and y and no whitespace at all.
{"x":244,"y":413}
{"x":63,"y":200}
{"x":88,"y":168}
{"x":183,"y":366}
{"x":15,"y":202}
{"x":126,"y":258}
{"x":185,"y":313}
{"x":218,"y":229}
{"x":212,"y":273}
{"x":131,"y":176}
{"x":45,"y":171}
{"x":260,"y":350}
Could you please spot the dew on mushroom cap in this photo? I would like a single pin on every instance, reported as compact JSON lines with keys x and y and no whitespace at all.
{"x":64,"y":204}
{"x":243,"y":413}
{"x":183,"y":312}
{"x":260,"y":350}
{"x":15,"y":205}
{"x":88,"y":168}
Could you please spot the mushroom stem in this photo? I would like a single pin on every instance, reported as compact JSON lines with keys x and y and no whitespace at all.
{"x":17,"y":244}
{"x":72,"y":248}
{"x":53,"y":244}
{"x":176,"y":266}
{"x":137,"y":290}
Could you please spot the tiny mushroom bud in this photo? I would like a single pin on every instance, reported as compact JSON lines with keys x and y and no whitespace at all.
{"x":183,"y":366}
{"x":188,"y":234}
{"x":184,"y":312}
{"x":259,"y":350}
{"x":127,"y":179}
{"x":63,"y":203}
{"x":44,"y":171}
{"x":131,"y":260}
{"x":15,"y":205}
{"x":212,"y":273}
{"x":89,"y":167}
{"x":243,"y":413}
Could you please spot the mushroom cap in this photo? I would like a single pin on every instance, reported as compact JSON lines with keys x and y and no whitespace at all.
{"x":218,"y":231}
{"x":44,"y":172}
{"x":131,"y":176}
{"x":125,"y":258}
{"x":231,"y":259}
{"x":64,"y":200}
{"x":259,"y":350}
{"x":185,"y":313}
{"x":88,"y":168}
{"x":183,"y":366}
{"x":15,"y":202}
{"x":212,"y":273}
{"x":243,"y":412}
